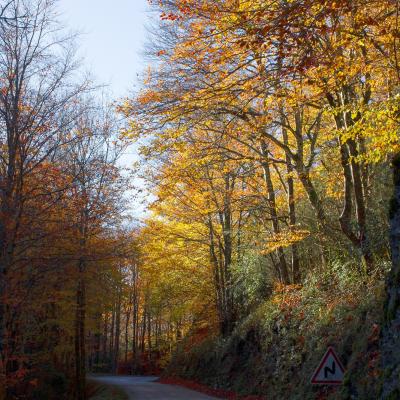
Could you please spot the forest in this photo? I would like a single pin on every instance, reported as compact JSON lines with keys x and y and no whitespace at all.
{"x":268,"y":154}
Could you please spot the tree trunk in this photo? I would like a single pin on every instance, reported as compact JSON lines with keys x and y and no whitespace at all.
{"x":135,"y":319}
{"x":112,"y":337}
{"x":361,"y":217}
{"x":117,"y":331}
{"x":149,"y":344}
{"x":80,"y":356}
{"x":218,"y":279}
{"x":295,"y":261}
{"x":353,"y":185}
{"x":284,"y":274}
{"x":105,"y":341}
{"x":143,"y":339}
{"x":226,"y":222}
{"x":97,"y":344}
{"x":10,"y":197}
{"x":127,"y":320}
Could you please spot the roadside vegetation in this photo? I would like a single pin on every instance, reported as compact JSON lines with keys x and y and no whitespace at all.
{"x":273,"y":352}
{"x":97,"y":391}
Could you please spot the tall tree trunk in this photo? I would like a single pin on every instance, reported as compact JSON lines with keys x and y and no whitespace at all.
{"x":295,"y":261}
{"x":312,"y":196}
{"x":127,"y":320}
{"x":353,"y":185}
{"x":9,"y":220}
{"x":80,"y":356}
{"x":226,"y":223}
{"x":218,"y":279}
{"x":112,"y":337}
{"x":144,"y":320}
{"x":134,"y":338}
{"x":105,"y":338}
{"x":149,"y":344}
{"x":361,"y":212}
{"x":3,"y":295}
{"x":135,"y":317}
{"x":284,"y":274}
{"x":97,"y":338}
{"x":117,"y":330}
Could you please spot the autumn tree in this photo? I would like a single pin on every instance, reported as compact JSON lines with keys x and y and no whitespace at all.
{"x":286,"y":95}
{"x":37,"y":109}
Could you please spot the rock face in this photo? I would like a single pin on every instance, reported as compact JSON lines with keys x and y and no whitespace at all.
{"x":390,"y":347}
{"x":393,"y":284}
{"x":390,"y":343}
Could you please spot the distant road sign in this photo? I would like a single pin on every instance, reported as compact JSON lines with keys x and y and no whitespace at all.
{"x":330,"y":370}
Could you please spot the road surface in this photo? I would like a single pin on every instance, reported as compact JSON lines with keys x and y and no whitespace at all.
{"x":145,"y":388}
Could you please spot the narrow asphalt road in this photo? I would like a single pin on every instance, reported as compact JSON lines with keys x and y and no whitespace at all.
{"x":145,"y":388}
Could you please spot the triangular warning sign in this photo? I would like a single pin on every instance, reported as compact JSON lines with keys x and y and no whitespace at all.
{"x":330,"y":370}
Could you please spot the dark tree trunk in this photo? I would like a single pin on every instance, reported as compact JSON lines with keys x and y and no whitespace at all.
{"x":135,"y":318}
{"x":105,"y":338}
{"x":143,"y":339}
{"x":127,"y":320}
{"x":353,"y":184}
{"x":218,"y":279}
{"x":149,"y":344}
{"x":80,"y":346}
{"x":226,"y":223}
{"x":117,"y":331}
{"x":112,"y":337}
{"x":284,"y":274}
{"x":312,"y":195}
{"x":295,"y":261}
{"x":97,"y":341}
{"x":361,"y":212}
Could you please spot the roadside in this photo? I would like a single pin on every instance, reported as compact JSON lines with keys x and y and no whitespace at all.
{"x":219,"y":393}
{"x":142,"y":388}
{"x":99,"y":391}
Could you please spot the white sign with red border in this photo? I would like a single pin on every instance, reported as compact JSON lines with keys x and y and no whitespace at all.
{"x":330,"y":370}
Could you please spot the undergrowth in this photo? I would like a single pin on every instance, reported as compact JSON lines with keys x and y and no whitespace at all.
{"x":274,"y":351}
{"x":96,"y":391}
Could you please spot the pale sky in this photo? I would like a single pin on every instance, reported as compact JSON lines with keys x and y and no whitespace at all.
{"x":112,"y":40}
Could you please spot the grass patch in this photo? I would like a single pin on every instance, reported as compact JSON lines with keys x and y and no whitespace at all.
{"x":98,"y":391}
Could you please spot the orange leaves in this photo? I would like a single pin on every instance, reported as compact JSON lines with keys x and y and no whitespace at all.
{"x":149,"y":96}
{"x":287,"y":296}
{"x":284,"y":239}
{"x":170,"y":16}
{"x":251,"y":73}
